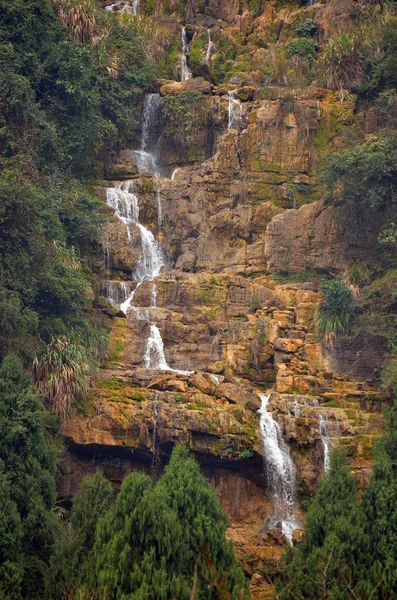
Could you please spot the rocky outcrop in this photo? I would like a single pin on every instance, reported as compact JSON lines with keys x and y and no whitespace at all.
{"x":311,"y":238}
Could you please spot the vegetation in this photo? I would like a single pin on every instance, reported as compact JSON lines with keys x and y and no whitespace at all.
{"x":165,"y":541}
{"x":27,"y":483}
{"x":349,"y":550}
{"x":333,"y":315}
{"x":327,"y":563}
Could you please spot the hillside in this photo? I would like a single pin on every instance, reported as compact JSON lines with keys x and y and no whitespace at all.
{"x":198,"y":247}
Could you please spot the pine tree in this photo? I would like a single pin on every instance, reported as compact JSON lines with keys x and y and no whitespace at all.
{"x":165,"y":542}
{"x":134,"y":542}
{"x":69,"y":564}
{"x":11,"y":566}
{"x":380,"y":506}
{"x":29,"y":466}
{"x":209,"y":565}
{"x":329,"y":562}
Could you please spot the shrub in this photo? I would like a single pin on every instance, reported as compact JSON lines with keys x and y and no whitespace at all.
{"x":333,"y":315}
{"x":63,"y":371}
{"x":365,"y":175}
{"x":303,"y":47}
{"x":306,"y":29}
{"x":341,"y":64}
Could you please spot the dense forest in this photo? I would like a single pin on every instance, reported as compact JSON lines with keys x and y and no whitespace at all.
{"x":73,"y":78}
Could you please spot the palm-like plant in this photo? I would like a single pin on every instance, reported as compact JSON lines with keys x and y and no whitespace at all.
{"x":80,"y":16}
{"x":341,"y":64}
{"x":64,"y":370}
{"x":334,"y":312}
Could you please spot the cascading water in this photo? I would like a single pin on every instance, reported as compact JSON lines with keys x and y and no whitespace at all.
{"x":185,"y":72}
{"x":280,"y":470}
{"x":324,"y":435}
{"x":115,"y":292}
{"x":209,"y":48}
{"x":154,"y":356}
{"x":146,"y":157}
{"x":123,"y":6}
{"x":235,"y":112}
{"x":125,"y":204}
{"x":174,"y":173}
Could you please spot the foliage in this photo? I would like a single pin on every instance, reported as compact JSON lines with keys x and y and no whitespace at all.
{"x":303,"y":47}
{"x":365,"y":175}
{"x":75,"y":544}
{"x":385,"y":72}
{"x":328,"y":563}
{"x":341,"y":64}
{"x":63,"y":371}
{"x":27,"y":484}
{"x":307,"y":28}
{"x":187,"y":111}
{"x":380,"y":507}
{"x":333,"y":315}
{"x":166,"y":541}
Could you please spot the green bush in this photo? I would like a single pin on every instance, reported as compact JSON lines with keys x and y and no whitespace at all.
{"x":333,"y":315}
{"x":303,"y":47}
{"x":340,"y":65}
{"x":306,"y":29}
{"x":365,"y":175}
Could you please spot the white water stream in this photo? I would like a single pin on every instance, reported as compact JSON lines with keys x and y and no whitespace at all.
{"x":280,"y":470}
{"x":235,"y":111}
{"x":123,"y":6}
{"x":210,"y":48}
{"x":185,"y":72}
{"x":324,"y":435}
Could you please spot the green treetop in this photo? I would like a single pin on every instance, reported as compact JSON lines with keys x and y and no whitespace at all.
{"x":328,"y":563}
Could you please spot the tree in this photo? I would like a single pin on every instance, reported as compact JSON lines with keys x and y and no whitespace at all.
{"x":329,"y":564}
{"x":69,"y":561}
{"x":209,"y":565}
{"x":11,"y":566}
{"x":29,"y":468}
{"x":164,"y":542}
{"x":380,"y":506}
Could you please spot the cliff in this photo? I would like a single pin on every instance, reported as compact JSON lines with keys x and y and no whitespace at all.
{"x":226,"y":180}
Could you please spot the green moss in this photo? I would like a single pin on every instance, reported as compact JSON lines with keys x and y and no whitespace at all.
{"x":116,"y":349}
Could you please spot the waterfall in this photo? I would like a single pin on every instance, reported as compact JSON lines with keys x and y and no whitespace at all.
{"x":235,"y":111}
{"x":324,"y":435}
{"x":185,"y":73}
{"x":280,"y":469}
{"x":215,"y":379}
{"x":154,"y":356}
{"x":123,"y":6}
{"x":146,"y":158}
{"x":115,"y":292}
{"x":174,"y":173}
{"x":151,"y":260}
{"x":297,"y":409}
{"x":209,"y":48}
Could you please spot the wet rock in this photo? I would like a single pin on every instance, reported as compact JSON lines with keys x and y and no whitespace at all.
{"x":275,"y":537}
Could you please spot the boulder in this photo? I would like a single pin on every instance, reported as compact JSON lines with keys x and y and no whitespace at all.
{"x":238,"y":395}
{"x":275,"y":537}
{"x":245,"y":93}
{"x":298,"y":535}
{"x":197,"y":84}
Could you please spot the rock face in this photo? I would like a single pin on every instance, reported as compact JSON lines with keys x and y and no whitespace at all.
{"x":242,"y":215}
